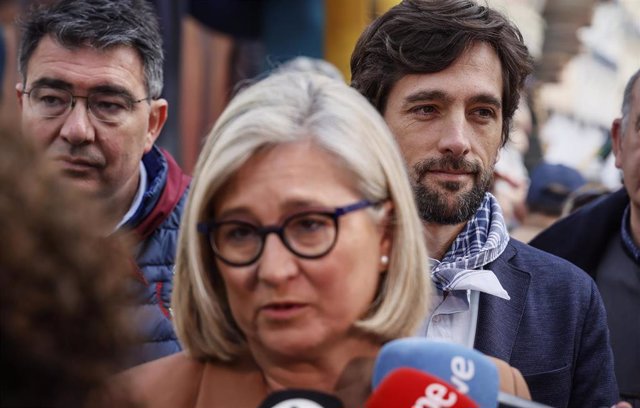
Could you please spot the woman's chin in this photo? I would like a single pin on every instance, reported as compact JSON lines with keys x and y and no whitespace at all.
{"x":290,"y":344}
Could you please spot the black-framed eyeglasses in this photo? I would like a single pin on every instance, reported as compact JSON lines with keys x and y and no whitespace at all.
{"x":108,"y":107}
{"x":309,"y":235}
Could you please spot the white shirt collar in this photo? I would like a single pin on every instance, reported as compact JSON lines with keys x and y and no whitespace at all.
{"x":137,"y":200}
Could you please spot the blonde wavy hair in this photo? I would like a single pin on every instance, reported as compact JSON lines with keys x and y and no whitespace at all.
{"x":284,"y":108}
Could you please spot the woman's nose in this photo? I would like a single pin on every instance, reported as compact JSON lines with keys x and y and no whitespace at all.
{"x":277,"y":264}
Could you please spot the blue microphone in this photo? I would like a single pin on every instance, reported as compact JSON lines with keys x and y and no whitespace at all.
{"x":468,"y":370}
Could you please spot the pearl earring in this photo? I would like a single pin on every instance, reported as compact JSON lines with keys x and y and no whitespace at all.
{"x":384,"y":259}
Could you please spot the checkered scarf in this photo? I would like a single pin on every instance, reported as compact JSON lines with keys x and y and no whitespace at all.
{"x":481,"y":242}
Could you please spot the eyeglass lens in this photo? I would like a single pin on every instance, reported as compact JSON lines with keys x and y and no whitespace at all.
{"x":308,"y":235}
{"x":104,"y":106}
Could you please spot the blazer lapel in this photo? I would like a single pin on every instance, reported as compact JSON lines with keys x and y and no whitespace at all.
{"x":499,"y":319}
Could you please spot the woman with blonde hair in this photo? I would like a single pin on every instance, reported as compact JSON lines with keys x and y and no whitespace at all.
{"x":300,"y":253}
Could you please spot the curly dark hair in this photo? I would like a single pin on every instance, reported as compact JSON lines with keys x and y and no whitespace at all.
{"x":427,"y":36}
{"x":64,"y":294}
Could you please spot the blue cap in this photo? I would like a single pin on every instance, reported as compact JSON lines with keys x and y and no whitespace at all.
{"x":550,"y":186}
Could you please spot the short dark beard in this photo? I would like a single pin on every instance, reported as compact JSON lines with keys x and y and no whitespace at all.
{"x":433,"y":206}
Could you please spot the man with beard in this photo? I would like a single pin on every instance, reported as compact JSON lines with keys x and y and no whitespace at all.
{"x":446,"y":75}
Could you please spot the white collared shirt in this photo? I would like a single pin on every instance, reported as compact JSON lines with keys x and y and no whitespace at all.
{"x":454,"y":320}
{"x":454,"y":323}
{"x":137,"y":199}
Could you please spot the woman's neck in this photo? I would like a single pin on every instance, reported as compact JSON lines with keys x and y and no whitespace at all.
{"x":320,"y":370}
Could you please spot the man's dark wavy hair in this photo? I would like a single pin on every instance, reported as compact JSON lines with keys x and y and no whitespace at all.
{"x":427,"y":36}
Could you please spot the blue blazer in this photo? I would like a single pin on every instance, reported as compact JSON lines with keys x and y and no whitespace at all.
{"x":554,"y":329}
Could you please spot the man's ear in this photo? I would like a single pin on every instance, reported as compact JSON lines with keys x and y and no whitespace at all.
{"x":157,"y":119}
{"x":616,"y":141}
{"x":19,"y":89}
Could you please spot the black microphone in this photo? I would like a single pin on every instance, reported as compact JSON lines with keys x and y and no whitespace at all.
{"x":511,"y":401}
{"x":299,"y":398}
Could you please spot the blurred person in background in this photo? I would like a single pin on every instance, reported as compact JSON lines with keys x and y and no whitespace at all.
{"x":64,"y":297}
{"x":90,"y":97}
{"x":603,"y":238}
{"x":511,"y":176}
{"x":305,"y":157}
{"x":8,"y":73}
{"x":550,"y":187}
{"x":446,"y":75}
{"x":589,"y":192}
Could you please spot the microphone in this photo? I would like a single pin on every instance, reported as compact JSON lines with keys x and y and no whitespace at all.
{"x":511,"y":401}
{"x":468,"y":370}
{"x":411,"y":388}
{"x":299,"y":398}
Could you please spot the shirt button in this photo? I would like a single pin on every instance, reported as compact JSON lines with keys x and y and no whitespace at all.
{"x":436,"y":319}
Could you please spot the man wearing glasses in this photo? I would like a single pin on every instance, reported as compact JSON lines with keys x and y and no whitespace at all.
{"x":91,"y":79}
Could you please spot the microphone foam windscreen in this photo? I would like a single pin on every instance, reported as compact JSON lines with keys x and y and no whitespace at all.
{"x":298,"y":398}
{"x":411,"y":388}
{"x":468,"y":370}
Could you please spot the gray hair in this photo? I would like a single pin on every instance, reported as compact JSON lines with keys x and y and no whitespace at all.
{"x":626,"y":99}
{"x":308,"y":64}
{"x":292,"y":107}
{"x":99,"y":24}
